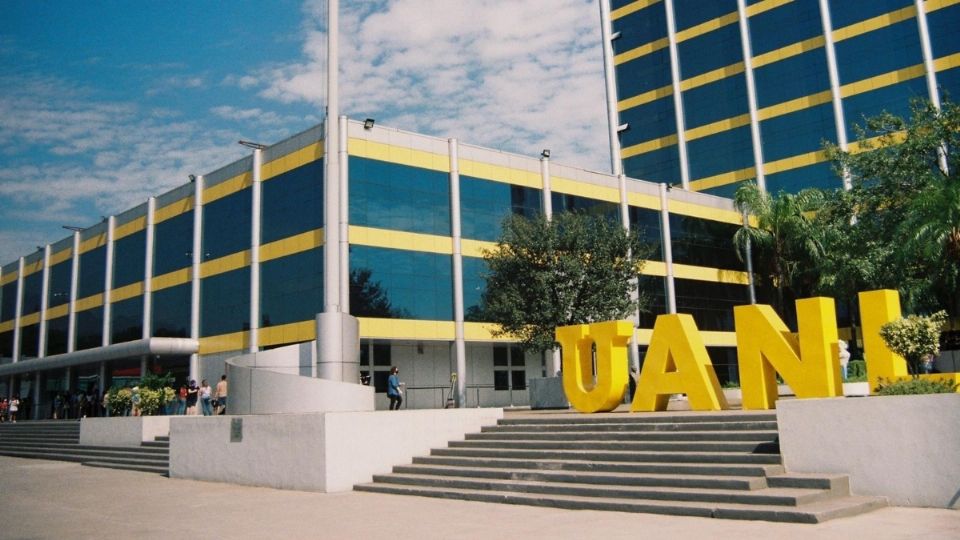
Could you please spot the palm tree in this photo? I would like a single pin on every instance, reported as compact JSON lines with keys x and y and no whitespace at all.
{"x":783,"y":240}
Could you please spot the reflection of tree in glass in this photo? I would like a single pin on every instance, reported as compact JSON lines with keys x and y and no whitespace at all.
{"x":368,"y":298}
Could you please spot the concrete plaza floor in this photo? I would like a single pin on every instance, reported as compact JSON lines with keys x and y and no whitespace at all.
{"x":58,"y":500}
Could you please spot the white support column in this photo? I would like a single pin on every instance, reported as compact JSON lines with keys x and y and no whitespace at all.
{"x":460,"y":344}
{"x":44,"y":299}
{"x":834,"y":73}
{"x":344,"y":219}
{"x":751,"y":94}
{"x":547,"y":193}
{"x":930,"y":71}
{"x":256,"y":191}
{"x":749,"y":257}
{"x":17,"y":331}
{"x":610,"y":82}
{"x":634,"y":317}
{"x":195,"y":273}
{"x":677,"y":94}
{"x":108,"y":282}
{"x":666,"y":238}
{"x":150,"y":233}
{"x":72,"y":313}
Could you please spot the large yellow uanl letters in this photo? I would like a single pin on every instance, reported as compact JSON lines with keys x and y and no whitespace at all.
{"x":766,"y":347}
{"x":677,"y":363}
{"x":611,"y":340}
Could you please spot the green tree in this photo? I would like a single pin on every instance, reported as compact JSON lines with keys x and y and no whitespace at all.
{"x":573,"y":269}
{"x":784,"y":243}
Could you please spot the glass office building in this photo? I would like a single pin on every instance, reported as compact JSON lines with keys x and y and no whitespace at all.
{"x":233,"y":261}
{"x":710,"y":93}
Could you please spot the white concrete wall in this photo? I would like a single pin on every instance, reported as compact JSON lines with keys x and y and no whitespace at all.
{"x":123,"y":430}
{"x":314,"y":452}
{"x":902,"y":447}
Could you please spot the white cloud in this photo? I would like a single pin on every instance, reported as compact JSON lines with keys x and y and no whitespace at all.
{"x":518,"y":76}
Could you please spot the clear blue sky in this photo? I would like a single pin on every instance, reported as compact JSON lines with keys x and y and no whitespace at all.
{"x":104,"y":103}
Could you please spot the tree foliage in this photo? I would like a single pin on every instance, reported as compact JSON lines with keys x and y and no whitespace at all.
{"x":573,"y":269}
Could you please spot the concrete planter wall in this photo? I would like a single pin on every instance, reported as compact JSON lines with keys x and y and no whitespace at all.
{"x":123,"y":430}
{"x":902,"y":447}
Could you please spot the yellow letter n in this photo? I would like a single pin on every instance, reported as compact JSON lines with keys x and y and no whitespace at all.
{"x":766,"y":347}
{"x":577,"y":340}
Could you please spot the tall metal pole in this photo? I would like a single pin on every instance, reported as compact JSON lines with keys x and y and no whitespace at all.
{"x":609,"y":78}
{"x":460,"y":348}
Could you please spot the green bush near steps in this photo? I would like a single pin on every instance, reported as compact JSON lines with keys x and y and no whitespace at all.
{"x":905,"y":387}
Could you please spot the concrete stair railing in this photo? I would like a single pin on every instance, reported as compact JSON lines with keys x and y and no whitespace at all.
{"x":60,"y":441}
{"x":707,"y":465}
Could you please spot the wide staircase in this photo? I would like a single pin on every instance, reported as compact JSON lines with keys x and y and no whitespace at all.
{"x":60,"y":440}
{"x":721,"y":465}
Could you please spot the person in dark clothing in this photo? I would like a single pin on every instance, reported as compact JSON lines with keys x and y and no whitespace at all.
{"x":393,"y":389}
{"x":193,"y":391}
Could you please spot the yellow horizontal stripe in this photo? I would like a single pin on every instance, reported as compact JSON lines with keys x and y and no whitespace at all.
{"x":794,"y":105}
{"x":287,"y":333}
{"x":706,"y":212}
{"x":399,"y":155}
{"x":645,"y":97}
{"x":722,"y":179}
{"x":795,"y":162}
{"x":643,"y":200}
{"x":30,"y":319}
{"x":648,"y":146}
{"x":715,"y":275}
{"x":60,"y":256}
{"x":874,"y":23}
{"x":290,"y":245}
{"x":654,"y":268}
{"x":880,"y":81}
{"x":170,"y":279}
{"x":475,"y":248}
{"x":130,"y":227}
{"x":93,"y":243}
{"x":933,"y":5}
{"x":499,"y":173}
{"x":237,"y":341}
{"x":384,"y":238}
{"x":291,"y":161}
{"x":126,"y":292}
{"x":90,"y":302}
{"x":786,"y":52}
{"x":590,"y":191}
{"x":405,"y":329}
{"x":642,"y":50}
{"x":227,"y":187}
{"x":6,"y":326}
{"x":876,"y":142}
{"x":59,"y":311}
{"x":711,"y":76}
{"x":32,"y":268}
{"x":632,"y":7}
{"x":947,"y":62}
{"x":8,"y":278}
{"x":173,"y":209}
{"x":708,"y":26}
{"x":225,"y":264}
{"x":761,"y":7}
{"x":717,"y":127}
{"x":474,"y":331}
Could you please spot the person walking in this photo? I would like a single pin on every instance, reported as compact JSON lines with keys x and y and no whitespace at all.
{"x":394,"y":392}
{"x":205,"y":396}
{"x":14,"y":408}
{"x":222,"y":394}
{"x":4,"y":406}
{"x":192,"y":395}
{"x":182,"y":400}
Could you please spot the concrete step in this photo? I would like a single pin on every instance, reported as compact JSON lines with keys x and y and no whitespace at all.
{"x":624,"y":446}
{"x":162,"y":469}
{"x":90,"y":452}
{"x":655,"y":418}
{"x":835,"y":482}
{"x":54,"y":446}
{"x":747,"y":483}
{"x":726,"y":469}
{"x":599,"y":455}
{"x":86,"y":456}
{"x":702,"y":425}
{"x":30,"y":438}
{"x":815,"y":512}
{"x":648,"y":436}
{"x":155,"y":444}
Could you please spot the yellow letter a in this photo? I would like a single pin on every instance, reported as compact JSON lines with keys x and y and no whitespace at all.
{"x":611,"y":339}
{"x":677,"y":363}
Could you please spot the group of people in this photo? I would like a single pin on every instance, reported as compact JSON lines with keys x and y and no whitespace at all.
{"x":10,"y":409}
{"x":195,"y":400}
{"x":79,"y":404}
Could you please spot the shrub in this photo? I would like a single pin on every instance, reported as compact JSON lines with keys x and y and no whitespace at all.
{"x":856,"y":371}
{"x":119,"y":400}
{"x":150,"y":401}
{"x":904,"y":387}
{"x":914,"y":337}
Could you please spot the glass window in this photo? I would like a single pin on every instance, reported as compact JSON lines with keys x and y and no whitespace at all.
{"x":846,"y":13}
{"x":798,"y":132}
{"x":795,"y":77}
{"x":564,"y":202}
{"x":60,"y":275}
{"x":474,"y":285}
{"x":711,"y":304}
{"x":173,"y":244}
{"x":726,"y":151}
{"x":8,"y":301}
{"x":647,"y":222}
{"x":640,"y":27}
{"x":661,"y":166}
{"x":392,"y":196}
{"x":716,"y":101}
{"x":291,"y":288}
{"x":32,"y":292}
{"x":126,"y":320}
{"x":820,"y":175}
{"x":402,"y":284}
{"x":292,"y":202}
{"x":57,"y":335}
{"x":6,"y":344}
{"x":90,"y":328}
{"x":171,"y":312}
{"x":785,"y":25}
{"x":858,"y":58}
{"x":894,"y":99}
{"x":484,"y":204}
{"x":645,"y":73}
{"x":225,"y":303}
{"x":648,"y":122}
{"x":226,"y":225}
{"x":30,"y":341}
{"x":710,"y":51}
{"x":943,"y":24}
{"x":129,"y":258}
{"x":703,"y":242}
{"x":654,"y":288}
{"x":93,"y":271}
{"x":690,"y":13}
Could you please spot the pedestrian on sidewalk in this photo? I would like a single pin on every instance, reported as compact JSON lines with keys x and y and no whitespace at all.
{"x":222,"y":395}
{"x":394,"y":392}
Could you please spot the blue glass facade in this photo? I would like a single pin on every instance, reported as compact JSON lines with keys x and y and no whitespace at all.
{"x":399,"y":197}
{"x":417,"y":285}
{"x":292,"y":202}
{"x":291,"y":288}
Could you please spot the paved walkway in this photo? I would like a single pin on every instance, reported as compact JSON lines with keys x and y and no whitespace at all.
{"x":57,"y":500}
